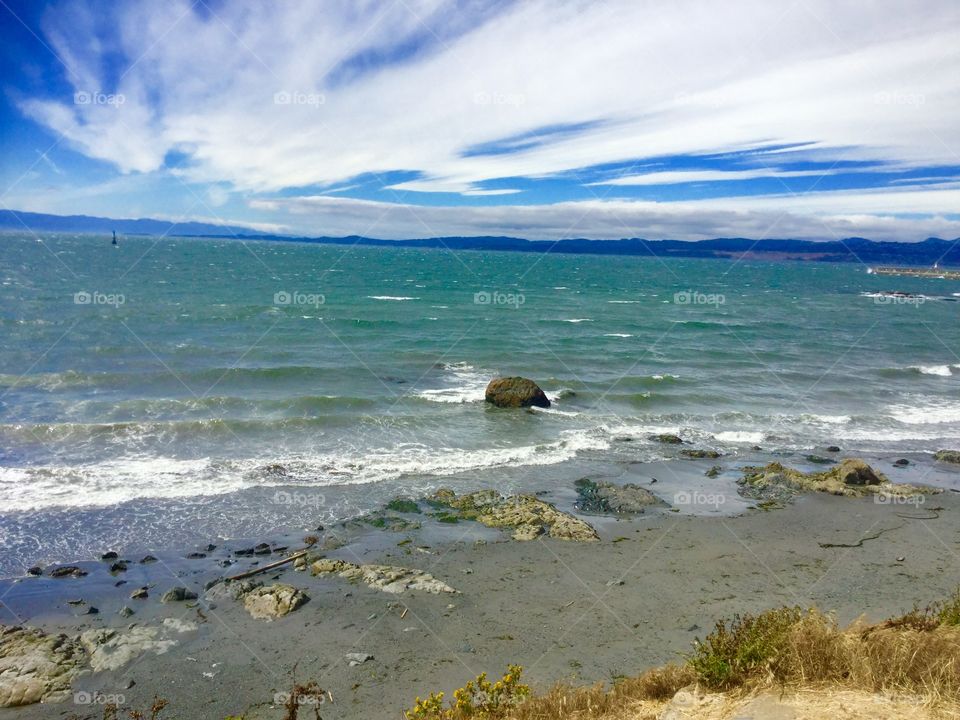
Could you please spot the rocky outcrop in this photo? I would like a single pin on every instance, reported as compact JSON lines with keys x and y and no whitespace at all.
{"x":36,"y":667}
{"x":852,"y":477}
{"x":178,"y":594}
{"x":269,"y":602}
{"x":386,"y":578}
{"x":515,"y":392}
{"x":606,"y":497}
{"x":112,"y":649}
{"x":667,"y":439}
{"x":948,"y":456}
{"x":528,"y":516}
{"x":701,"y":454}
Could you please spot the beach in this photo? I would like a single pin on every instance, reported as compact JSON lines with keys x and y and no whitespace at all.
{"x":564,"y":610}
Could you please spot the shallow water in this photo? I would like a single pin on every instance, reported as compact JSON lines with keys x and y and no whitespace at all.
{"x":177,"y":385}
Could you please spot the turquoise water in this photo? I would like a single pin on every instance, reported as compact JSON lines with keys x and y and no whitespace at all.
{"x":167,"y":377}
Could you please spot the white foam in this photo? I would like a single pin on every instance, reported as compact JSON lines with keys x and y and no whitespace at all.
{"x":623,"y":302}
{"x":664,"y":376}
{"x":740,"y":436}
{"x":576,"y":320}
{"x":940,"y":370}
{"x":467,"y":384}
{"x":931,"y":414}
{"x":397,"y":298}
{"x":620,"y":335}
{"x":814,"y":419}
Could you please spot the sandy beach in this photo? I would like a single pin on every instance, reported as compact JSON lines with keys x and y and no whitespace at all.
{"x":574,"y":611}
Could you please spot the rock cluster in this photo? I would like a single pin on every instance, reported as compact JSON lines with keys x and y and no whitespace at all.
{"x":386,"y":578}
{"x":36,"y":667}
{"x":851,"y":477}
{"x":528,"y":516}
{"x":606,"y":497}
{"x":273,"y":601}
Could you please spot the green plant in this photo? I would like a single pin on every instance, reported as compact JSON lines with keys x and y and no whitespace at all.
{"x":479,"y":698}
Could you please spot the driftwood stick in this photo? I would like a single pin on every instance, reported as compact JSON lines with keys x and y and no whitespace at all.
{"x":269,"y":566}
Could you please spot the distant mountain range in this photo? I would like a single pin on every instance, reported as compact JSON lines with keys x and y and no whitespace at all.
{"x":927,"y":252}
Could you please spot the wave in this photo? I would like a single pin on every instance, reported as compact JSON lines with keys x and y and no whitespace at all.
{"x":576,"y":320}
{"x":619,"y":335}
{"x":623,"y":302}
{"x":137,"y":478}
{"x":930,"y":414}
{"x":740,"y":436}
{"x":465,"y":384}
{"x":396,"y":298}
{"x":934,"y":370}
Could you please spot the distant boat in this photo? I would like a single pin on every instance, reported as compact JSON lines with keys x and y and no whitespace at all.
{"x":114,"y":238}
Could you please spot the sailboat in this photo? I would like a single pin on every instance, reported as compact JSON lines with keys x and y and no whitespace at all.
{"x":114,"y":238}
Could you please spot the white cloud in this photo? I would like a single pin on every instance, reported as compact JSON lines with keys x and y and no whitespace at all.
{"x":260,"y":97}
{"x":675,"y":177}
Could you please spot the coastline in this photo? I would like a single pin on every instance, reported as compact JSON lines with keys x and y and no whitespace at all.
{"x":581,"y":612}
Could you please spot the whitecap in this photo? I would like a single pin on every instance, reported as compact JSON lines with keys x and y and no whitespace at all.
{"x":619,"y":335}
{"x":740,"y":436}
{"x":397,"y":298}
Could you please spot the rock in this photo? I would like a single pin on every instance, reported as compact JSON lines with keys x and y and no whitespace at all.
{"x":110,"y":555}
{"x":146,"y":559}
{"x":68,"y":571}
{"x":527,"y":532}
{"x":35,"y":571}
{"x":701,"y":454}
{"x":852,"y":477}
{"x":386,"y":578}
{"x":196,"y":556}
{"x":819,"y":460}
{"x":261,"y":549}
{"x":713,"y":471}
{"x":139,"y":594}
{"x":36,"y":667}
{"x":948,"y":456}
{"x":606,"y":497}
{"x":357,"y":658}
{"x":177,"y":594}
{"x":667,"y":439}
{"x":119,"y":566}
{"x":269,"y":602}
{"x":902,"y":462}
{"x":515,"y":511}
{"x":514,"y":392}
{"x":125,"y":611}
{"x":833,"y":448}
{"x":112,"y":649}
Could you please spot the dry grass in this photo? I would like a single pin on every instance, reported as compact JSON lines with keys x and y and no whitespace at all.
{"x":788,"y":657}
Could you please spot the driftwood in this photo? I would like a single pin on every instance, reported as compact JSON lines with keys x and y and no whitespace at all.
{"x":269,"y":566}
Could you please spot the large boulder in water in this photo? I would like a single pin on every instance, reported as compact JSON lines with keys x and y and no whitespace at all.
{"x":513,"y":392}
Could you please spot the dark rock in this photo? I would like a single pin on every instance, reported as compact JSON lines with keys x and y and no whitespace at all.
{"x":147,"y":559}
{"x":125,"y":611}
{"x":701,"y":454}
{"x":35,"y":571}
{"x":245,"y":552}
{"x":856,"y":472}
{"x":76,"y":602}
{"x":177,"y":594}
{"x":714,"y":471}
{"x":820,"y":460}
{"x":119,"y":566}
{"x":902,"y":462}
{"x":111,"y":555}
{"x":139,"y":593}
{"x":515,"y":392}
{"x":668,"y":439}
{"x":262,"y":549}
{"x":91,"y":610}
{"x":211,"y":547}
{"x":67,"y":571}
{"x":196,"y":556}
{"x":833,"y":448}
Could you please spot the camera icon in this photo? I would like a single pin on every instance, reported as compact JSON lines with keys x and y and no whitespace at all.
{"x":282,"y":298}
{"x":281,"y":98}
{"x":481,"y":98}
{"x":81,"y":98}
{"x":682,"y":498}
{"x":682,"y":298}
{"x":282,"y":498}
{"x":82,"y":298}
{"x":82,"y":697}
{"x":482,"y":298}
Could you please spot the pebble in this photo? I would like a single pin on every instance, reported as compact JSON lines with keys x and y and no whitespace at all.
{"x":358,"y":658}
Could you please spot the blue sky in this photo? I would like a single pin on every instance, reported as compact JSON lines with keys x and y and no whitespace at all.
{"x":540,"y":119}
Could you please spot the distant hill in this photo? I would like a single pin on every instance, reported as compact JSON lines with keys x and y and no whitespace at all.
{"x":926,"y":252}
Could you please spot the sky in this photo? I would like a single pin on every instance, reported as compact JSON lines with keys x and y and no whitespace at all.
{"x":550,"y":119}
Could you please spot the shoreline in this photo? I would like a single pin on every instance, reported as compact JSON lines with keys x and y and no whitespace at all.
{"x":581,"y":612}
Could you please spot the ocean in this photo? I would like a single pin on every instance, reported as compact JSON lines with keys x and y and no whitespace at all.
{"x":169,"y":390}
